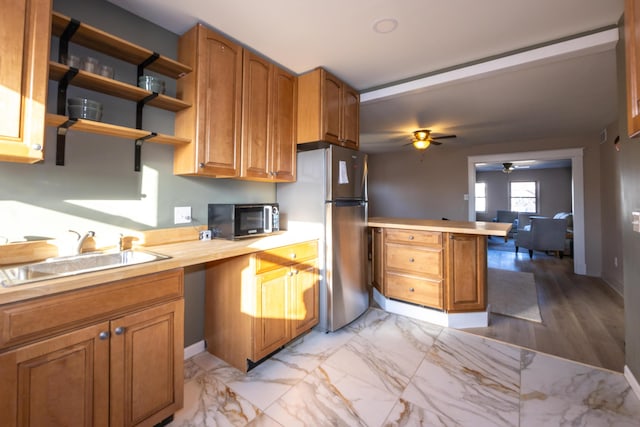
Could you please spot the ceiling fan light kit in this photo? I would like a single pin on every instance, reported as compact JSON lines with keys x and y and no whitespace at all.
{"x":422,"y":139}
{"x":421,"y":144}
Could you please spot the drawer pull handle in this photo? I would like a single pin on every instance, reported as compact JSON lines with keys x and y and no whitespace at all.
{"x":104,"y":335}
{"x":412,"y":260}
{"x":410,"y":237}
{"x":412,"y":290}
{"x":119,"y":330}
{"x":293,"y":256}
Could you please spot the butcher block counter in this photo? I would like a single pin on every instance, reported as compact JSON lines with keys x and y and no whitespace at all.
{"x":465,"y":227}
{"x":183,"y":254}
{"x":439,"y":266}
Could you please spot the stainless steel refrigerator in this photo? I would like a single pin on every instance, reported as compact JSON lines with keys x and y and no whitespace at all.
{"x":329,"y":199}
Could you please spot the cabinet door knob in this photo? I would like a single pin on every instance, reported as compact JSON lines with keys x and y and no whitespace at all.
{"x":293,"y":256}
{"x":411,"y":260}
{"x":104,"y":335}
{"x":201,"y":165}
{"x":410,"y":237}
{"x":412,"y":290}
{"x":119,"y":330}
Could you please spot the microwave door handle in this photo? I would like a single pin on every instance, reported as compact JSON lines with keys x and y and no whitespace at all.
{"x":268,"y":219}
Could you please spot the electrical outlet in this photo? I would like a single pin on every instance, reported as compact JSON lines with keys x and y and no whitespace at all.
{"x":182,"y":215}
{"x":204,"y":235}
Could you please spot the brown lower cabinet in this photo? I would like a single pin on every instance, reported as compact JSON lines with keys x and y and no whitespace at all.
{"x":110,"y":355}
{"x":444,"y":271}
{"x":466,"y":272}
{"x":255,"y":304}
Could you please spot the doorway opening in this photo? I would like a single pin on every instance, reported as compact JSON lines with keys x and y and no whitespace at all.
{"x":577,"y":191}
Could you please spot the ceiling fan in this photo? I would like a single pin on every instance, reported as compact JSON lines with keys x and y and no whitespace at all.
{"x":422,"y":139}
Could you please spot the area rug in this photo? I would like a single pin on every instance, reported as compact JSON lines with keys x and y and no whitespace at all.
{"x":513,"y":293}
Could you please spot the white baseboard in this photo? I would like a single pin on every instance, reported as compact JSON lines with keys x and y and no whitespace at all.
{"x":452,"y":320}
{"x":633,"y":382}
{"x":193,"y":349}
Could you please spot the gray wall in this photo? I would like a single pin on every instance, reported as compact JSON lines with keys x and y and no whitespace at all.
{"x":629,"y":170}
{"x":611,"y":210}
{"x":432,"y":184}
{"x":554,"y":190}
{"x":98,"y":189}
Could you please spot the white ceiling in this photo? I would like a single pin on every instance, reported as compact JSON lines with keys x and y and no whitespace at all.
{"x":565,"y":89}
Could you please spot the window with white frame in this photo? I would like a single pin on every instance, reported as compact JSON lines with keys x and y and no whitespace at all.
{"x":481,"y":196}
{"x":523,"y":196}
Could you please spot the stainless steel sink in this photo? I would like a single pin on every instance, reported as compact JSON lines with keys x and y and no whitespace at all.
{"x":72,"y":265}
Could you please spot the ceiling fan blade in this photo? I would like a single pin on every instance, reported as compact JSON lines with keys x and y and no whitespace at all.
{"x":435,"y":142}
{"x":444,"y":137}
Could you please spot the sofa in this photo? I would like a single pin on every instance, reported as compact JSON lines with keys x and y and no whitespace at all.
{"x":508,"y":216}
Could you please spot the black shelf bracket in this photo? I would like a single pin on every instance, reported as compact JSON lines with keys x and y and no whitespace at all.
{"x":61,"y":110}
{"x":139,"y":107}
{"x":65,"y":37}
{"x":62,"y":139}
{"x":63,"y":84}
{"x":144,"y":64}
{"x":138,"y":150}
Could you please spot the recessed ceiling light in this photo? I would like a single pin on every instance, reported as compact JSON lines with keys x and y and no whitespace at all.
{"x":385,"y":25}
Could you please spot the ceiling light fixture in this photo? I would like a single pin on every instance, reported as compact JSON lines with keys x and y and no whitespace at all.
{"x":385,"y":25}
{"x":507,"y":167}
{"x":421,"y":139}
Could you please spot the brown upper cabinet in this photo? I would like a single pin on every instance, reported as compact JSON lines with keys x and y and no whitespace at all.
{"x":214,"y":89}
{"x":328,"y":110}
{"x":632,"y":56}
{"x":268,"y":121}
{"x":242,"y":123}
{"x":23,"y":78}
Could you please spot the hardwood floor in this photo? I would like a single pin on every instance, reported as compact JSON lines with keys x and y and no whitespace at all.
{"x":582,"y":317}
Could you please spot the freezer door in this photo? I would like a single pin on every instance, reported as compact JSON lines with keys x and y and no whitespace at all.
{"x":347,"y":294}
{"x":347,"y":173}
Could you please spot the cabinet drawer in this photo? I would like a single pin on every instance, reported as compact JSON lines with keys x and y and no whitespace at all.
{"x":417,"y":290}
{"x":422,"y":260}
{"x":286,"y":255}
{"x":28,"y":320}
{"x":433,"y":238}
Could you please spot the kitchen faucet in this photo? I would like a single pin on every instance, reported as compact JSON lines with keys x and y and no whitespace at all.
{"x":81,"y":240}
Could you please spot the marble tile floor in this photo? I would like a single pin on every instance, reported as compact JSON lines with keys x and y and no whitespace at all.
{"x":389,"y":370}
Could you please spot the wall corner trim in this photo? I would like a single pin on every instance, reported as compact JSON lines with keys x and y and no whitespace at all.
{"x":632,"y":380}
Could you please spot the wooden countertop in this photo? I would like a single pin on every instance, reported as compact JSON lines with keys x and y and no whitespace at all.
{"x":467,"y":227}
{"x":183,"y":254}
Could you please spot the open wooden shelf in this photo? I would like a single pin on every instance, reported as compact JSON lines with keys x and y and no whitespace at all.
{"x":116,"y":47}
{"x":101,"y":128}
{"x":98,"y":83}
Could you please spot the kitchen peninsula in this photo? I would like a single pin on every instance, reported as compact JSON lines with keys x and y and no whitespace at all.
{"x":434,"y":270}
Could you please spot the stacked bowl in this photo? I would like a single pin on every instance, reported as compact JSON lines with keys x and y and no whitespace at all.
{"x":152,"y":84}
{"x":83,"y":108}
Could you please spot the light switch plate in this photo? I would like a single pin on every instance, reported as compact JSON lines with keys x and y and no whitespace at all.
{"x":182,"y":215}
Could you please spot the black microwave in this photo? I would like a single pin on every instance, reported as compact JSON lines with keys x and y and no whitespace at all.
{"x":235,"y":221}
